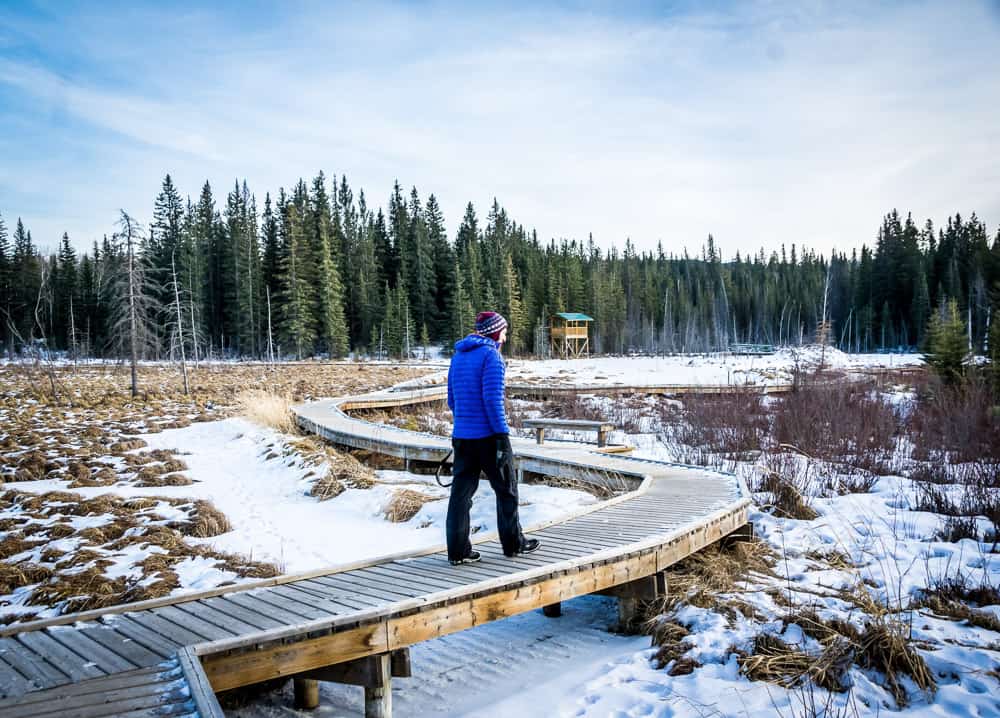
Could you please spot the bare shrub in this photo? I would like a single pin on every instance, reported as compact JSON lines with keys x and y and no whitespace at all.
{"x":956,"y":423}
{"x":571,"y":406}
{"x":734,"y":424}
{"x":267,"y":408}
{"x":839,"y":423}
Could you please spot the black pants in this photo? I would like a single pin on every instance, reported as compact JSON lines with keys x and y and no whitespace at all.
{"x":494,"y":457}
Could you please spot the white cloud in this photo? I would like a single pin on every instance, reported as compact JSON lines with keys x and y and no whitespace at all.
{"x":777,"y":124}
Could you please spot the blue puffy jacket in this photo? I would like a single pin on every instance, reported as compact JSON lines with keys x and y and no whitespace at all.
{"x":476,"y":388}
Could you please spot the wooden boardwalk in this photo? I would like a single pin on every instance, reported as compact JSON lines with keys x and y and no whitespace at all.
{"x":354,"y":623}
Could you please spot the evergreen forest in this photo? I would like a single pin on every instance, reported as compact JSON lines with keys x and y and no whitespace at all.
{"x":318,"y":271}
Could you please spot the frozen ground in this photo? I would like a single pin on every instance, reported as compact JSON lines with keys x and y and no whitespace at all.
{"x":688,"y":369}
{"x":247,"y":473}
{"x":707,"y":369}
{"x":527,"y":665}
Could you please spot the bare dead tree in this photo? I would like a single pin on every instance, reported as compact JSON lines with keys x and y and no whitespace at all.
{"x":180,"y":323}
{"x":133,"y":305}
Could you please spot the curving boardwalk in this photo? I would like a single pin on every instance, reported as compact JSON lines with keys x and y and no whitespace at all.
{"x":353,"y":623}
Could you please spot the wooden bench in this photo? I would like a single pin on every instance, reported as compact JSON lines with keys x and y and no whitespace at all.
{"x":602,"y":428}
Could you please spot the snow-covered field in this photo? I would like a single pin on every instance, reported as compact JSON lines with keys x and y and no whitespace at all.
{"x":706,"y":369}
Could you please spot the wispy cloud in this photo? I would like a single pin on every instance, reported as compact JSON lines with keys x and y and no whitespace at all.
{"x":768,"y":124}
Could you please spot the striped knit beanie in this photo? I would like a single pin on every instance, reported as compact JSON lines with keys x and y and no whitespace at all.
{"x":490,"y":324}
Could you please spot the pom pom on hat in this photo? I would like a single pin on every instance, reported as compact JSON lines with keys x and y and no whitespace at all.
{"x":490,"y":324}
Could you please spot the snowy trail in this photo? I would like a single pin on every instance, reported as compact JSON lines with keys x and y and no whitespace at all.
{"x":527,"y":665}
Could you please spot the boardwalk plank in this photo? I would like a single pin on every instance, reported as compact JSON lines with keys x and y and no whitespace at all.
{"x":434,"y":582}
{"x":155,"y":675}
{"x":387,"y":591}
{"x":182,"y":619}
{"x":427,"y":582}
{"x":88,"y":648}
{"x":33,"y":667}
{"x":323,"y":597}
{"x":250,"y":606}
{"x":101,"y":701}
{"x":121,"y":644}
{"x":169,"y":633}
{"x":207,"y":612}
{"x":12,"y":683}
{"x":146,"y":636}
{"x":76,"y":667}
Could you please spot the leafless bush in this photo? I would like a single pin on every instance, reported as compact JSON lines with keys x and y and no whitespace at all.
{"x":839,"y":423}
{"x":733,"y":424}
{"x":572,"y":406}
{"x":956,"y":424}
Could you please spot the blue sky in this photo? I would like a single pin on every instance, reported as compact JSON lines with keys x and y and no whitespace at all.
{"x":761,"y":122}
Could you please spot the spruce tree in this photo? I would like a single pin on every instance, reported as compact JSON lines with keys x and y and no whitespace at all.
{"x":165,"y":237}
{"x":66,"y":294}
{"x":443,"y":261}
{"x":947,"y":346}
{"x":296,"y":296}
{"x":512,"y":308}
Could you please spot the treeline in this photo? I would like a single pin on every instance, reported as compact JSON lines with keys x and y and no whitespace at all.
{"x":317,"y":271}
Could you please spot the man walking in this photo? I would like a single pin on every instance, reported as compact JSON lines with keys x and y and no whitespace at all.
{"x":481,"y":440}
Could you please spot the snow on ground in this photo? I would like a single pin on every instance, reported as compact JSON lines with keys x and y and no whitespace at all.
{"x":699,"y":369}
{"x":526,"y":665}
{"x":275,"y":519}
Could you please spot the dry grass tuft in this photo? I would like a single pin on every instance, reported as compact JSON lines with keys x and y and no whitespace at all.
{"x":404,"y":504}
{"x":775,"y":661}
{"x":80,"y":591}
{"x":343,"y":471}
{"x":779,"y":476}
{"x":327,"y":487}
{"x":701,"y":579}
{"x":15,"y":576}
{"x":207,"y":521}
{"x":831,"y":558}
{"x":124,"y":445}
{"x":267,"y":408}
{"x":952,"y":598}
{"x":670,"y":637}
{"x":885,"y":647}
{"x":14,"y":544}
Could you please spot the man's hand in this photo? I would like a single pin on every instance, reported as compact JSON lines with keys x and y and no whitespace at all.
{"x":504,"y":451}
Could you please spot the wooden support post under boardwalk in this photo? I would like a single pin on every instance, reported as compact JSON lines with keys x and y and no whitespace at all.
{"x":553,"y":610}
{"x":306,"y":693}
{"x":378,"y":697}
{"x":373,"y":673}
{"x":632,"y":597}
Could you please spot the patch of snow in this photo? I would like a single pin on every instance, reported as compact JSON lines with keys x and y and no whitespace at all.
{"x":697,"y":369}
